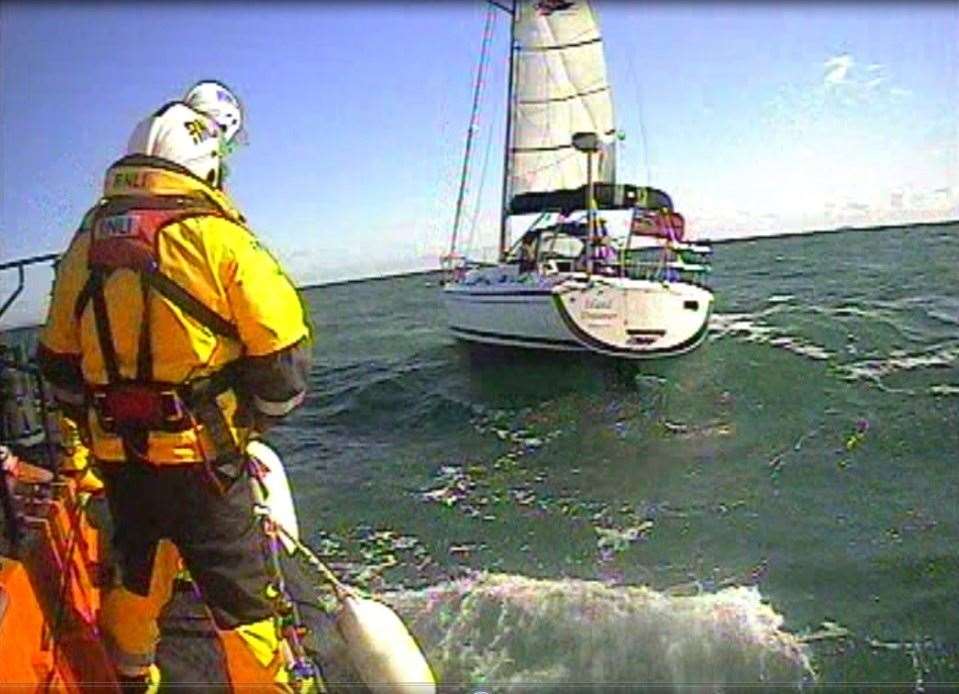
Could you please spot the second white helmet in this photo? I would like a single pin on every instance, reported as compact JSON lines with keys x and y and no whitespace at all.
{"x":219,"y":102}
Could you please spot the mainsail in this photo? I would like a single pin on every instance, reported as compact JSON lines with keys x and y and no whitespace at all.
{"x":560,"y":89}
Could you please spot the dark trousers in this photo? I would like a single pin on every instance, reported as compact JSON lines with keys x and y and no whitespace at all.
{"x":213,"y":528}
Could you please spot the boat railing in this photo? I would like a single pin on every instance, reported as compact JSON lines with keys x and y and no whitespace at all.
{"x":18,"y":372}
{"x":668,"y":266}
{"x":20,"y":266}
{"x":454,"y":267}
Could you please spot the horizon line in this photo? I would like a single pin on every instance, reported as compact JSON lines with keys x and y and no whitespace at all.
{"x":726,"y":241}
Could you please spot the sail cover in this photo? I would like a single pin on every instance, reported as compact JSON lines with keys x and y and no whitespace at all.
{"x":560,"y":88}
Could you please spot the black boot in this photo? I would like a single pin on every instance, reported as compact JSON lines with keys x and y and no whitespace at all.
{"x":147,"y":683}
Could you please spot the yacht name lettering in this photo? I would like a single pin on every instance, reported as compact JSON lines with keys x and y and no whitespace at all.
{"x":598,"y":304}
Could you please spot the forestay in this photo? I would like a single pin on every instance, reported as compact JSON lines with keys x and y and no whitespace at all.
{"x":560,"y":88}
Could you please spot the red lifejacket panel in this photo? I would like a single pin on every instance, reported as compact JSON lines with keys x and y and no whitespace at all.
{"x":124,"y":230}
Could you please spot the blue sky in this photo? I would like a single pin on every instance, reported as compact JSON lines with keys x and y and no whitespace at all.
{"x":759,"y":118}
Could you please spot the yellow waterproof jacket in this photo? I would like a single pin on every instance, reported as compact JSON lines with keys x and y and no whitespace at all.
{"x":215,"y":259}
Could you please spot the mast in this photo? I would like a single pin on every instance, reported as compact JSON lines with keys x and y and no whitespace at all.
{"x":477,"y":90}
{"x":509,"y":128}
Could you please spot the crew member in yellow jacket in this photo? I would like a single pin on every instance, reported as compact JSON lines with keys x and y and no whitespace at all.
{"x":172,"y":336}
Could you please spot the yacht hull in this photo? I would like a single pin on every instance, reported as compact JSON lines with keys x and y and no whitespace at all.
{"x":619,"y":317}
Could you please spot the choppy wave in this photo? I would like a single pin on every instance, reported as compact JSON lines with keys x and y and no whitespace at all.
{"x":862,"y":356}
{"x":750,"y":327}
{"x":871,"y":369}
{"x":388,"y":396}
{"x":512,"y":632}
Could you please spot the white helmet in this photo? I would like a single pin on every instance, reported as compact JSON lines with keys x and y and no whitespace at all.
{"x":184,"y":136}
{"x":219,"y":102}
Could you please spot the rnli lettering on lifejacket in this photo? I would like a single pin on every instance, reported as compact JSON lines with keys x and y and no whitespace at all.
{"x":116,"y":226}
{"x":132,"y":179}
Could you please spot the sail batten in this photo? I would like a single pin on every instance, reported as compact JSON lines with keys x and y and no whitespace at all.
{"x":559,"y":47}
{"x":561,"y":89}
{"x":577,"y":95}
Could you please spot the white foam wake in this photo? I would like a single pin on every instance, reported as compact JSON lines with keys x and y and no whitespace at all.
{"x":512,"y":633}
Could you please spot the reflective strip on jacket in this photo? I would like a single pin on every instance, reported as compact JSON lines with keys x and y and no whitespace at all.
{"x":217,"y":261}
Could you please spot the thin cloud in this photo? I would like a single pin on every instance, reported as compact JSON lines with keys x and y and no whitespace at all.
{"x":856,"y":83}
{"x":837,"y":69}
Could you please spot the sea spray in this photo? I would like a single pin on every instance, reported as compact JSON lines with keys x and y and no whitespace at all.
{"x":513,"y":632}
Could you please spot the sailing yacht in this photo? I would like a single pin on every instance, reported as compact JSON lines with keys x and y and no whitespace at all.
{"x":566,"y":283}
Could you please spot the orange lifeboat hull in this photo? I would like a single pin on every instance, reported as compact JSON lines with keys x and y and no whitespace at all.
{"x":50,"y":587}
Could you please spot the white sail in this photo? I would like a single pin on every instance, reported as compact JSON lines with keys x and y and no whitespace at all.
{"x":563,"y":296}
{"x":560,"y":88}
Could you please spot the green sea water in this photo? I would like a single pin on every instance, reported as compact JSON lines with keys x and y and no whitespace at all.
{"x":808,"y":450}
